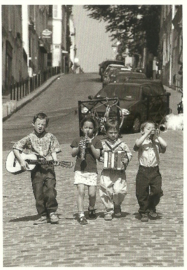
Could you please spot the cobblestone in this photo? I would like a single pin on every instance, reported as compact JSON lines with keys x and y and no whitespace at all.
{"x":124,"y":242}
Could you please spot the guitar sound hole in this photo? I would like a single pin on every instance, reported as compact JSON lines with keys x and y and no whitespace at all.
{"x":28,"y":161}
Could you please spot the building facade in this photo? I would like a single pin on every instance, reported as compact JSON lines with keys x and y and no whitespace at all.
{"x":171,"y":45}
{"x":14,"y":56}
{"x":58,"y":24}
{"x":34,"y":22}
{"x":177,"y":59}
{"x":72,"y":32}
{"x":34,"y":38}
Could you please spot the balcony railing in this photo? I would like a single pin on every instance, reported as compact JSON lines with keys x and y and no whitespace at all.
{"x":21,"y":89}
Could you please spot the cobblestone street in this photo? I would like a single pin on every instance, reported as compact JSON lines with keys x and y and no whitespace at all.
{"x":72,"y":75}
{"x":122,"y":242}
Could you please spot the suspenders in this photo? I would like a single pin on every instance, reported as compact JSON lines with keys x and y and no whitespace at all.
{"x":112,"y":148}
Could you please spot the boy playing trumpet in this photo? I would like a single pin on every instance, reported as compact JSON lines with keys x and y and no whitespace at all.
{"x":149,"y":145}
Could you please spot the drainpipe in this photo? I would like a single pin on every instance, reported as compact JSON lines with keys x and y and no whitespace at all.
{"x":171,"y":48}
{"x":154,"y":68}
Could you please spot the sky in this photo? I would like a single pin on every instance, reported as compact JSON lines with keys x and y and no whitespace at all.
{"x":93,"y":43}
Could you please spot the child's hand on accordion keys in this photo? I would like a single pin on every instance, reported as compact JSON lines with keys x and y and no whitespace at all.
{"x":125,"y":161}
{"x":101,"y":159}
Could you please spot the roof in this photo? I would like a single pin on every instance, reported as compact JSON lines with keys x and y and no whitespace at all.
{"x":112,"y":62}
{"x":116,"y":65}
{"x":157,"y":87}
{"x":138,"y":82}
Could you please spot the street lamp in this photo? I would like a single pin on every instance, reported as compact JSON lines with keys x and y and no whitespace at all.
{"x":115,"y":48}
{"x":76,"y":64}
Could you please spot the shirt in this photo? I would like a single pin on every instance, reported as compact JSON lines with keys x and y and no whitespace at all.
{"x":89,"y":164}
{"x":43,"y":145}
{"x":148,"y":153}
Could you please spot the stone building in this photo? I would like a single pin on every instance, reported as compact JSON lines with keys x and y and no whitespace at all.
{"x":171,"y":45}
{"x":34,"y":38}
{"x":34,"y":22}
{"x":177,"y":59}
{"x":73,"y":40}
{"x":58,"y":25}
{"x":14,"y":56}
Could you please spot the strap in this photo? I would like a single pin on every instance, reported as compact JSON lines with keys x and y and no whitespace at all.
{"x":112,"y":148}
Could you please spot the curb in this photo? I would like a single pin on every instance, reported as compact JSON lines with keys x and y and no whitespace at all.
{"x":169,"y":88}
{"x":12,"y":106}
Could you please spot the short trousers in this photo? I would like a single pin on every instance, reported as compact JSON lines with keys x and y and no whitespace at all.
{"x":86,"y":178}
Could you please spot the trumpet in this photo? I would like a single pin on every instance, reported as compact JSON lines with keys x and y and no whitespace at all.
{"x":162,"y":127}
{"x":83,"y":147}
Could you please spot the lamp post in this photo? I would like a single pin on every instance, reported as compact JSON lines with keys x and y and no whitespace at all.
{"x":75,"y":51}
{"x":115,"y":48}
{"x":76,"y":65}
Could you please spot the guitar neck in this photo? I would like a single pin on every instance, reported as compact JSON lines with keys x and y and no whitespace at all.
{"x":42,"y":162}
{"x":67,"y":164}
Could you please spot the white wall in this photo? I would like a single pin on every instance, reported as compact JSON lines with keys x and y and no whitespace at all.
{"x":56,"y":35}
{"x":25,"y":30}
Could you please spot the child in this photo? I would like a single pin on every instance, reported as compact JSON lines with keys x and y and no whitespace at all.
{"x":86,"y":167}
{"x":149,"y":145}
{"x":45,"y":145}
{"x":113,"y":186}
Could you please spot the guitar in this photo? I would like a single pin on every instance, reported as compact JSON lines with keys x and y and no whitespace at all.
{"x":13,"y":165}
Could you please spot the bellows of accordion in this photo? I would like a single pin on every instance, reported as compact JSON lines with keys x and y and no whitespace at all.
{"x":113,"y":160}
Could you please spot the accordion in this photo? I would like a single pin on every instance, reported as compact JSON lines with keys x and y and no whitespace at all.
{"x":115,"y":160}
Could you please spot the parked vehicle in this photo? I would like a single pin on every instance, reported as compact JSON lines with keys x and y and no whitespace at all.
{"x":180,"y":105}
{"x":138,"y":101}
{"x":104,"y":64}
{"x":110,"y":69}
{"x":122,"y":75}
{"x":125,"y":76}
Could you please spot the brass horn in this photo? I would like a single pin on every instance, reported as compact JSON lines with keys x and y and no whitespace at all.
{"x":162,"y":127}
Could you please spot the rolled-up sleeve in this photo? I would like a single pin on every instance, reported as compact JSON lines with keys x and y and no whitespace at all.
{"x":127,"y":150}
{"x":75,"y":143}
{"x":98,"y":144}
{"x":55,"y":146}
{"x":21,"y":144}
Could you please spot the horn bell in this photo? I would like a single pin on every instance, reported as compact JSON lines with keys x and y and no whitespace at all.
{"x":163,"y":128}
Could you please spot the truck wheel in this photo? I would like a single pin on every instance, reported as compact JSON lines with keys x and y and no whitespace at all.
{"x":136,"y":125}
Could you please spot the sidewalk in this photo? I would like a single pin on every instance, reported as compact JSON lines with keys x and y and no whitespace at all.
{"x":11,"y":106}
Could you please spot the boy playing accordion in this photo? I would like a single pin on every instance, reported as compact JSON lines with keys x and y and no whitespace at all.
{"x":113,"y":186}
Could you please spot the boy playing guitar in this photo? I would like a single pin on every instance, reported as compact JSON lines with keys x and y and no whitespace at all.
{"x":43,"y":177}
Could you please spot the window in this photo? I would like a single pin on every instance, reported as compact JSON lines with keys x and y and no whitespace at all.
{"x":50,"y":11}
{"x":49,"y":59}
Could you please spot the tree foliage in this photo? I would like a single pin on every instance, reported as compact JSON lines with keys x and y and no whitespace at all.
{"x":135,"y":26}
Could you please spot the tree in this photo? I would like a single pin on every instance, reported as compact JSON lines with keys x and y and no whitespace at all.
{"x":135,"y":26}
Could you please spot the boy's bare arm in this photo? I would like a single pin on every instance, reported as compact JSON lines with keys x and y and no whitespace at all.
{"x":96,"y":152}
{"x":24,"y":165}
{"x":139,"y":141}
{"x":75,"y":151}
{"x":163,"y":144}
{"x":54,"y":156}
